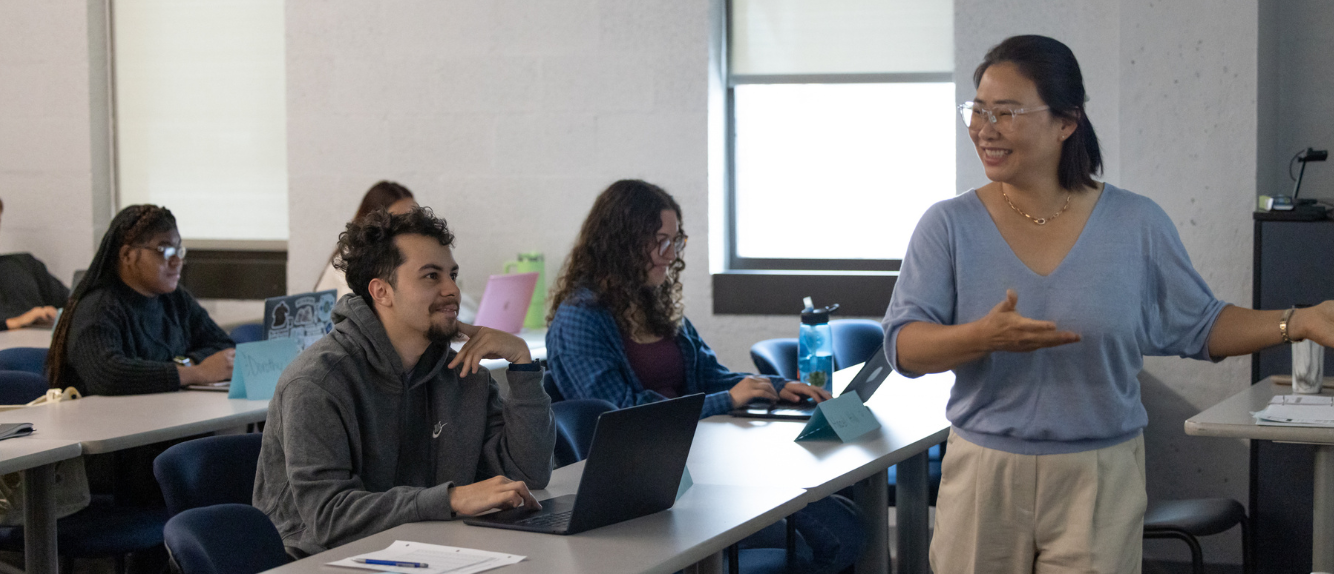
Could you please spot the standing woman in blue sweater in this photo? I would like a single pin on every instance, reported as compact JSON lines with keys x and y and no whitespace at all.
{"x":1043,"y":291}
{"x":619,"y":333}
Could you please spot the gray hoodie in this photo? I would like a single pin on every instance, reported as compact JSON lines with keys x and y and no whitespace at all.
{"x":354,"y":446}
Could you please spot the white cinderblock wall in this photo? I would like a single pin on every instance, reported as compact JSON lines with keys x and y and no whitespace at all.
{"x":45,"y":170}
{"x":507,"y":118}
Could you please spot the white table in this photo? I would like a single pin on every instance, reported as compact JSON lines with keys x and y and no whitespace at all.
{"x":36,"y":459}
{"x":739,"y":451}
{"x":28,"y":337}
{"x":1232,"y":418}
{"x":706,"y":520}
{"x":102,"y":424}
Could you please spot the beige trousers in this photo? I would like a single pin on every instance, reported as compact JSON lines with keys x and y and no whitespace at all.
{"x":1012,"y":513}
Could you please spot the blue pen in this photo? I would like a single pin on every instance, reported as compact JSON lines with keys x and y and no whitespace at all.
{"x":391,"y":563}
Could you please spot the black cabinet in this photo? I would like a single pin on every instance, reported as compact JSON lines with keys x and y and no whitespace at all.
{"x":1294,"y":264}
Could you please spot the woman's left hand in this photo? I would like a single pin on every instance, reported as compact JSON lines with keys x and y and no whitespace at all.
{"x":1315,"y":323}
{"x":794,"y":392}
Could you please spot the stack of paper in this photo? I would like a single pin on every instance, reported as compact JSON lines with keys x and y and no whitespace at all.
{"x":1298,"y":411}
{"x":431,"y":559}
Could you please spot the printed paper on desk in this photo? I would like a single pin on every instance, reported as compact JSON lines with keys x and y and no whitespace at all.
{"x":844,"y":418}
{"x":257,"y":367}
{"x":439,"y":559}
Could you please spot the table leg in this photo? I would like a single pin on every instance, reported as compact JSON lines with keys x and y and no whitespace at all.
{"x":39,"y":517}
{"x":912,"y":518}
{"x":1322,"y":549}
{"x":872,"y":496}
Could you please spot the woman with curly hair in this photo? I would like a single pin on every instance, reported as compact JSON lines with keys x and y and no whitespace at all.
{"x":128,"y":328}
{"x":619,"y":333}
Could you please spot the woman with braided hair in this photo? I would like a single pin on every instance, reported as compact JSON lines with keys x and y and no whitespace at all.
{"x":128,"y":328}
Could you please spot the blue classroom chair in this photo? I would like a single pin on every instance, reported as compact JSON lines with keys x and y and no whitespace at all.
{"x":206,"y":540}
{"x":29,"y":359}
{"x":776,"y":357}
{"x":248,"y":333}
{"x":208,"y":471}
{"x":21,"y":387}
{"x":575,"y":421}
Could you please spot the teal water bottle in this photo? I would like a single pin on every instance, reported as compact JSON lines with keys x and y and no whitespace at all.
{"x":815,"y":345}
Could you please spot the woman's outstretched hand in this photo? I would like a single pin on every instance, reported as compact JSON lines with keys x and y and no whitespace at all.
{"x":1004,"y":329}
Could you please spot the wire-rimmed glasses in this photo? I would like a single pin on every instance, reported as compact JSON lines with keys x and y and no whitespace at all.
{"x":679,"y":242}
{"x":1001,"y":118}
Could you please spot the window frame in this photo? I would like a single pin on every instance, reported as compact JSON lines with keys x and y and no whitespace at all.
{"x":735,"y":262}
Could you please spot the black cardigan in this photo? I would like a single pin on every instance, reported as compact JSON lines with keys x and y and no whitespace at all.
{"x":25,"y":283}
{"x":123,"y":343}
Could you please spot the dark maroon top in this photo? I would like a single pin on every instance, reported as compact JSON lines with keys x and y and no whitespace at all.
{"x":659,"y":365}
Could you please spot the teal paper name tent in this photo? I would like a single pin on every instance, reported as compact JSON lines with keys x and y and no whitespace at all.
{"x":258,"y":365}
{"x":844,"y":418}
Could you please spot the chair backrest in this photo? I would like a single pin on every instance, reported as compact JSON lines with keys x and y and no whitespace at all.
{"x":247,"y":333}
{"x":775,"y":357}
{"x":575,"y":421}
{"x":549,"y":385}
{"x":855,"y":340}
{"x":21,"y":387}
{"x":224,"y":539}
{"x":30,"y":359}
{"x":208,"y":471}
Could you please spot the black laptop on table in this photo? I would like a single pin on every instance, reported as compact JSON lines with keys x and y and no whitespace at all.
{"x":633,"y":469}
{"x":868,"y":379}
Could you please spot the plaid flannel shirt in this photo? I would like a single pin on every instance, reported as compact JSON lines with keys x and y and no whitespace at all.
{"x":586,"y":359}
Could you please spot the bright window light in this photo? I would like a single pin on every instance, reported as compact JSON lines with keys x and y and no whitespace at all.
{"x":839,"y":171}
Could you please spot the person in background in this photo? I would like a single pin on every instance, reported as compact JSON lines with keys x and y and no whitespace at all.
{"x":618,"y":332}
{"x":387,"y":195}
{"x":128,"y":328}
{"x":29,"y":294}
{"x":381,"y":423}
{"x":1043,"y":290}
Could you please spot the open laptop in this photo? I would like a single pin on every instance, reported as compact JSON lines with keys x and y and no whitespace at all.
{"x":867,"y":380}
{"x":633,"y":469}
{"x":505,"y":301}
{"x":305,"y":317}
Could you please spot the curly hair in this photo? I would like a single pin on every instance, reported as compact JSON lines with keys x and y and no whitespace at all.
{"x":366,"y":248}
{"x":133,"y":224}
{"x":610,"y":259}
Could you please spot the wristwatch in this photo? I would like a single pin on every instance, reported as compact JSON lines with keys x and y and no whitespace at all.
{"x":183,"y":361}
{"x":536,"y":365}
{"x":1283,"y":324}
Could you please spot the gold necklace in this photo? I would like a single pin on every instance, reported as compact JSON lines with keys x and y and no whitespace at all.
{"x":1038,"y":220}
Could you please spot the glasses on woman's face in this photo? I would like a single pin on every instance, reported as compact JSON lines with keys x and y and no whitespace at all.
{"x":1001,"y":118}
{"x":678,"y":243}
{"x":169,"y":251}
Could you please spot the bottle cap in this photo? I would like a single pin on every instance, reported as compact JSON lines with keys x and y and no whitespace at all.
{"x":811,"y":316}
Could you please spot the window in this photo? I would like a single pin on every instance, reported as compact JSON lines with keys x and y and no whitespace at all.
{"x":842,"y":126}
{"x":201,"y":121}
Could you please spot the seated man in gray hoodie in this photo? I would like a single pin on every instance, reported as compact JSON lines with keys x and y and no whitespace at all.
{"x":381,"y":423}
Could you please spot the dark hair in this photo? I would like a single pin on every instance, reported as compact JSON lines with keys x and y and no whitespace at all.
{"x":610,"y":258}
{"x":366,"y":249}
{"x":132,"y":225}
{"x":380,"y":196}
{"x":1053,"y":67}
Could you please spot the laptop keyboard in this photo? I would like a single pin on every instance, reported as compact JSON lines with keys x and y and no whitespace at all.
{"x":555,"y":519}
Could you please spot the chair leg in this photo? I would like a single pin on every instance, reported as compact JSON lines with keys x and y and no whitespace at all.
{"x":1246,"y":566}
{"x":1196,"y":555}
{"x":733,"y":559}
{"x":791,"y":542}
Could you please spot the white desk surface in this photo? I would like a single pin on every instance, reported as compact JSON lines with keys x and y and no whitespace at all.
{"x":1232,"y":417}
{"x":106,"y":424}
{"x":703,"y":522}
{"x":28,"y":452}
{"x":29,"y":337}
{"x":740,"y":451}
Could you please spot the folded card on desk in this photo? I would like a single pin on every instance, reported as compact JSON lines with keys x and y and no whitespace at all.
{"x":844,"y":418}
{"x":258,"y":365}
{"x":432,"y":558}
{"x":1297,"y":410}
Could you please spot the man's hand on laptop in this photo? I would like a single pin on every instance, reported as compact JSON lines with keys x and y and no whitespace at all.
{"x":495,"y":492}
{"x":488,"y":343}
{"x":795,"y":392}
{"x":752,"y":389}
